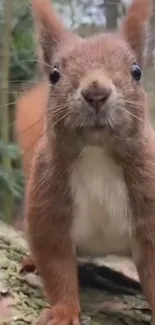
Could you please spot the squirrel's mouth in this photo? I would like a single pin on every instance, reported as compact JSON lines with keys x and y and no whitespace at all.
{"x":98,"y":126}
{"x":91,"y":128}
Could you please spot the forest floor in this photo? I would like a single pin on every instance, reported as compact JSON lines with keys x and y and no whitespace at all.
{"x":110,"y":290}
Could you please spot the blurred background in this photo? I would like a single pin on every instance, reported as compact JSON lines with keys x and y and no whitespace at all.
{"x":18,"y":71}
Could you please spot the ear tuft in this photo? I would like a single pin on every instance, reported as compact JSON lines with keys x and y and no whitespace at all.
{"x":134,"y":26}
{"x":49,"y":29}
{"x":46,"y":16}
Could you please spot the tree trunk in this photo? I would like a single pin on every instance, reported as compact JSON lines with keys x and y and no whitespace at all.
{"x":111,"y":12}
{"x":151,"y":43}
{"x":5,"y":122}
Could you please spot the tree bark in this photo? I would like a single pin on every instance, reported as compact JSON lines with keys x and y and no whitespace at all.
{"x":151,"y":42}
{"x":5,"y":122}
{"x":111,"y":12}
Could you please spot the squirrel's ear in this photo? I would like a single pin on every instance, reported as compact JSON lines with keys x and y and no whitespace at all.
{"x":134,"y":27}
{"x":50,"y":31}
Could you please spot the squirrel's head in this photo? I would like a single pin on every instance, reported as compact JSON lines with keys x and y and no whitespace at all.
{"x":95,"y":83}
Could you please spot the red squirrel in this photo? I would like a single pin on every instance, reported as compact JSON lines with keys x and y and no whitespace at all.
{"x":91,"y":183}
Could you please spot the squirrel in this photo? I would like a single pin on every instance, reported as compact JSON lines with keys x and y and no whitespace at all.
{"x":91,"y":184}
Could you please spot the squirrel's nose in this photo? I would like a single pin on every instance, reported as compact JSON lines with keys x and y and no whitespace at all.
{"x":96,"y":94}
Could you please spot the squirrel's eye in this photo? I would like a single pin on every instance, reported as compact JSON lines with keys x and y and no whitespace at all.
{"x":136,"y":72}
{"x":54,"y":76}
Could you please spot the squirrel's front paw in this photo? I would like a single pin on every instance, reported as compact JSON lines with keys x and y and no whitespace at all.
{"x":59,"y":315}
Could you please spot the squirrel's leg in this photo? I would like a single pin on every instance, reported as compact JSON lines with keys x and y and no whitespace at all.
{"x":144,"y":257}
{"x":48,"y":228}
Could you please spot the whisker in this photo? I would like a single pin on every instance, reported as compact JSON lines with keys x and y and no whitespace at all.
{"x":38,"y":61}
{"x":34,"y":142}
{"x":59,"y":113}
{"x":59,"y":108}
{"x":45,"y":131}
{"x":11,"y":92}
{"x":39,"y":137}
{"x":23,"y":81}
{"x":110,"y":124}
{"x":5,"y":105}
{"x":132,"y":103}
{"x":133,"y":115}
{"x":78,"y":117}
{"x":23,"y":131}
{"x":60,"y":119}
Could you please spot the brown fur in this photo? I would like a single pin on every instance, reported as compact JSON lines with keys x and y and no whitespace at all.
{"x":29,"y":121}
{"x":96,"y":107}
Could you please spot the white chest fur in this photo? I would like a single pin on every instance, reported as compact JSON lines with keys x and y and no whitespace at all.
{"x":101,"y":223}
